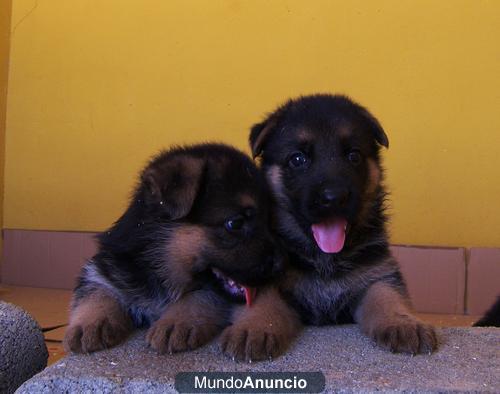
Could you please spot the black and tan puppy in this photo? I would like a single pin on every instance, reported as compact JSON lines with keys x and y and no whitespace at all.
{"x":193,"y":240}
{"x":320,"y":154}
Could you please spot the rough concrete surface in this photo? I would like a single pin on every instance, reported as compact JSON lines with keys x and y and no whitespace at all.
{"x":22,"y":348}
{"x":468,"y":360}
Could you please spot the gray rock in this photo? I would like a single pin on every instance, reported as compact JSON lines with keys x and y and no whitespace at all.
{"x":467,"y":360}
{"x":22,"y":347}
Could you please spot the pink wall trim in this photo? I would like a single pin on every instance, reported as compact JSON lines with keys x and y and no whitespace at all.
{"x":440,"y":280}
{"x":483,"y":279}
{"x":45,"y":258}
{"x":435,"y":277}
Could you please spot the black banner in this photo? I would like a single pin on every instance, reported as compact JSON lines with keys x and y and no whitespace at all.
{"x":250,"y":382}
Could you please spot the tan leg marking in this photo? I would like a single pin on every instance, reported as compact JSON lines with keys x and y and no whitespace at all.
{"x":385,"y":316}
{"x":262,"y":331}
{"x":97,"y":322}
{"x":187,"y":324}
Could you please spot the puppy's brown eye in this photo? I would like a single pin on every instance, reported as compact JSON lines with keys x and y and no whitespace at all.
{"x":297,"y":159}
{"x":354,"y":157}
{"x":234,"y":224}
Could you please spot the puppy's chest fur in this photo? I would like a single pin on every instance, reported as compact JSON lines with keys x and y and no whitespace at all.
{"x":328,"y":297}
{"x":320,"y":300}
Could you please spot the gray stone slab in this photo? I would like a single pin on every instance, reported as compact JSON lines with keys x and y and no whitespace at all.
{"x":22,"y":347}
{"x":468,"y":360}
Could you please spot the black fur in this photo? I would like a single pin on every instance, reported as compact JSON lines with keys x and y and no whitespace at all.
{"x":491,"y":318}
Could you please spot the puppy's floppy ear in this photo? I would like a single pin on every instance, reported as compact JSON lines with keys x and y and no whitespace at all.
{"x":173,"y":181}
{"x":375,"y":127}
{"x":259,"y":134}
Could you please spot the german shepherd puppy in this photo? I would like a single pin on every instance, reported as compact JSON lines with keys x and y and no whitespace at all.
{"x":320,"y":154}
{"x":193,"y":240}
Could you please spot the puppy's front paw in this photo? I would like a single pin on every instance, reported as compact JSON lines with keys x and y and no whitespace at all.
{"x":88,"y":337}
{"x":170,"y":336}
{"x":406,"y":336}
{"x":244,"y":342}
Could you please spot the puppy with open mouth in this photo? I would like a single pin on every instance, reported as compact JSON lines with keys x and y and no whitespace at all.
{"x":193,"y":242}
{"x":321,"y":157}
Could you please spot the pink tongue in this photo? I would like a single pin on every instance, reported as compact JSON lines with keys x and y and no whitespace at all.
{"x":250,"y":293}
{"x":330,"y":236}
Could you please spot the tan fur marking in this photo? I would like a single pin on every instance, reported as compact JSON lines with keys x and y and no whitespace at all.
{"x":97,"y":322}
{"x":275,"y":179}
{"x":263,"y":331}
{"x":344,"y":131}
{"x":305,"y":135}
{"x":182,"y":249}
{"x":373,"y":176}
{"x":247,"y":201}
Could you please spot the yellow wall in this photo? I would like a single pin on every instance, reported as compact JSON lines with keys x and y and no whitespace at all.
{"x":5,"y":13}
{"x":98,"y":86}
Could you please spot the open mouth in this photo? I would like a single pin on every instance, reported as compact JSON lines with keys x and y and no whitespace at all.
{"x":330,"y":234}
{"x":235,"y":289}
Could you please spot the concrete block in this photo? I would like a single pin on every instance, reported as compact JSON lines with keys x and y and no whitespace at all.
{"x":467,"y":360}
{"x":22,"y":348}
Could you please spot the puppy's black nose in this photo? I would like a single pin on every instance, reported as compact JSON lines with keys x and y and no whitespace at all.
{"x":334,"y":197}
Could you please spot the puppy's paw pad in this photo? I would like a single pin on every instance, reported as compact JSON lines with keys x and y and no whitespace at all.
{"x":158,"y":336}
{"x":407,"y":337}
{"x":252,"y":344}
{"x":166,"y":336}
{"x":200,"y":335}
{"x":93,"y":336}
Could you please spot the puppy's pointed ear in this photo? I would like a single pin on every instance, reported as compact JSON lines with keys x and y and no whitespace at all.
{"x":172,"y":181}
{"x":375,"y":127}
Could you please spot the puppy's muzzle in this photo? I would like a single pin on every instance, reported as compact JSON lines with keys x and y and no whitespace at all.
{"x":334,"y":197}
